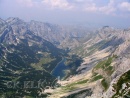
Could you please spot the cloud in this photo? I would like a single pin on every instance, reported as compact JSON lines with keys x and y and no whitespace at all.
{"x":61,"y":4}
{"x":79,"y":0}
{"x":46,"y":4}
{"x":106,"y":9}
{"x":125,"y":6}
{"x":27,"y":3}
{"x":91,"y":8}
{"x":109,"y":7}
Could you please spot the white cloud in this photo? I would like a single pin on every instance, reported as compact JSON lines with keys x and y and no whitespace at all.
{"x":50,"y":4}
{"x":91,"y":8}
{"x":107,"y":10}
{"x":62,"y":4}
{"x":125,"y":6}
{"x":89,"y":5}
{"x":79,"y":0}
{"x":110,"y":8}
{"x":27,"y":3}
{"x":87,"y":1}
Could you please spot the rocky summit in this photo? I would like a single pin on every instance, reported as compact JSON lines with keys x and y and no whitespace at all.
{"x":44,"y":60}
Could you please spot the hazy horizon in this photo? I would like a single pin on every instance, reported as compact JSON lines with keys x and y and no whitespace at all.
{"x":114,"y":13}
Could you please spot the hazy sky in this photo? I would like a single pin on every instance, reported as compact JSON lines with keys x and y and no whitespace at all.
{"x":93,"y":12}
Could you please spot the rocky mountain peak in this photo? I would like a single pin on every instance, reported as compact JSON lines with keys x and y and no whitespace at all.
{"x":14,"y":20}
{"x":1,"y":21}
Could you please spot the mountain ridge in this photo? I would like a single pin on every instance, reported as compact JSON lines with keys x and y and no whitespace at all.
{"x":105,"y":54}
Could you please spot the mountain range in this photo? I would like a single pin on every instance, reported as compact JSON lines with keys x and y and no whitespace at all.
{"x":96,"y":61}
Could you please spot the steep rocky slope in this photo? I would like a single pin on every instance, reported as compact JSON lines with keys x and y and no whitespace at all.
{"x":105,"y":68}
{"x":24,"y":57}
{"x":30,"y":51}
{"x":57,"y":34}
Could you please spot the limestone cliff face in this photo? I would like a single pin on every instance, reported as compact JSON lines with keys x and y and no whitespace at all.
{"x":106,"y":56}
{"x":121,"y":65}
{"x":106,"y":52}
{"x":106,"y":43}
